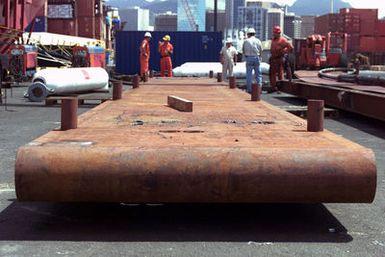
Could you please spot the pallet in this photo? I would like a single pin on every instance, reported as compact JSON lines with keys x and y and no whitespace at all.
{"x":102,"y":97}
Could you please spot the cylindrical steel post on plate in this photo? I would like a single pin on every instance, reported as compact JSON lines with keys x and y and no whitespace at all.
{"x":211,"y":74}
{"x":219,"y":77}
{"x":135,"y":81}
{"x":117,"y":89}
{"x":69,"y":113}
{"x":315,"y":115}
{"x":232,"y":82}
{"x":256,"y":92}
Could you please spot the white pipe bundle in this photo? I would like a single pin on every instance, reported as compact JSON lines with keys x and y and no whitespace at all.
{"x":202,"y":69}
{"x":66,"y":81}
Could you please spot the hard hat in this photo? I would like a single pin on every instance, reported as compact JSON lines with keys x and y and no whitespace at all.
{"x":167,"y":38}
{"x":229,"y":40}
{"x":147,"y":34}
{"x":277,"y":29}
{"x":250,"y":31}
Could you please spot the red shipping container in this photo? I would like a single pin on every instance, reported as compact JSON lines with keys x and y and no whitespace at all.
{"x":380,"y":44}
{"x":380,"y":28}
{"x":367,"y":44}
{"x":86,"y":27}
{"x":328,"y":23}
{"x":368,"y":28}
{"x":353,"y":43}
{"x":85,"y":8}
{"x":63,"y":26}
{"x":365,"y":14}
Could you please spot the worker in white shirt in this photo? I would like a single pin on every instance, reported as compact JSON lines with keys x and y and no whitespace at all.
{"x":228,"y":58}
{"x":252,"y":51}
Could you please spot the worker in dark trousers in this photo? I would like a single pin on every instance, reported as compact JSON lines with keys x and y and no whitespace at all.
{"x":280,"y":47}
{"x":165,"y":49}
{"x":144,"y":56}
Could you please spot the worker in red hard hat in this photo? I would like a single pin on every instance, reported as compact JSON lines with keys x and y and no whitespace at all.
{"x":145,"y":56}
{"x":165,"y":49}
{"x":280,"y":47}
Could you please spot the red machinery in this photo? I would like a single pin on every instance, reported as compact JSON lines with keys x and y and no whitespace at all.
{"x":318,"y":51}
{"x":88,"y":56}
{"x":22,"y":61}
{"x":15,"y":15}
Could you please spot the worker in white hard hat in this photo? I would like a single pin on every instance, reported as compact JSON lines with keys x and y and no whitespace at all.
{"x":165,"y":49}
{"x":252,"y":51}
{"x":145,"y":56}
{"x":228,"y":58}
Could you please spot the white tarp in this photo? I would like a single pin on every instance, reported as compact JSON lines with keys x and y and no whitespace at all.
{"x":202,"y":69}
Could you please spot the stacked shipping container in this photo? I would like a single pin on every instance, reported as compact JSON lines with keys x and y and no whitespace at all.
{"x":74,"y":18}
{"x":366,"y":33}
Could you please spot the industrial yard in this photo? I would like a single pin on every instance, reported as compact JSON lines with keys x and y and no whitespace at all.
{"x":191,"y":128}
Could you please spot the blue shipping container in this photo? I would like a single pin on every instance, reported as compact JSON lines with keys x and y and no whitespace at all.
{"x":188,"y":47}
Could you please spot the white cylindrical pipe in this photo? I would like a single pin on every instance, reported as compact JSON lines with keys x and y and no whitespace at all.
{"x":67,"y":81}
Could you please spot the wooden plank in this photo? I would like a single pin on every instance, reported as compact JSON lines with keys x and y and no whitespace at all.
{"x":180,"y":104}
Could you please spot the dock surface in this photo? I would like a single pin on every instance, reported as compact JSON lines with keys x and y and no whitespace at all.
{"x":229,"y":149}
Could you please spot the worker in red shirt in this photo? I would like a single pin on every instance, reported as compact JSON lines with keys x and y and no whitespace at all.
{"x":279,"y":48}
{"x":165,"y":49}
{"x":145,"y":56}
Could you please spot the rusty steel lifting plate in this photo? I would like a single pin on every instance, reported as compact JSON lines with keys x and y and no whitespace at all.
{"x":230,"y":149}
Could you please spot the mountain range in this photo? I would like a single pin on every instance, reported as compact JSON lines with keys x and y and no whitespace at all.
{"x":300,"y":7}
{"x":319,"y":7}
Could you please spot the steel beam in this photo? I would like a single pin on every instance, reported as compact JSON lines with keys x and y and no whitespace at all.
{"x":357,"y":101}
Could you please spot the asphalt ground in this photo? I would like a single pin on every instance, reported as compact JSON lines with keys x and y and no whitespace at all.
{"x":53,"y":229}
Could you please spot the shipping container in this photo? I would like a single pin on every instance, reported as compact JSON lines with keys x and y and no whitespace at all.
{"x":368,"y":44}
{"x":353,"y":42}
{"x":351,"y":23}
{"x":331,"y":22}
{"x":370,"y":15}
{"x":372,"y":44}
{"x":368,"y":28}
{"x":188,"y":47}
{"x":63,"y":26}
{"x":380,"y":28}
{"x":86,"y":26}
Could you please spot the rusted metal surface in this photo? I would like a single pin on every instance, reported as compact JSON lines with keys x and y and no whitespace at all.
{"x":232,"y":82}
{"x":69,"y":113}
{"x":228,"y":150}
{"x":315,"y":115}
{"x":135,"y":81}
{"x":256,"y":92}
{"x":219,"y":77}
{"x":365,"y":100}
{"x":117,"y":90}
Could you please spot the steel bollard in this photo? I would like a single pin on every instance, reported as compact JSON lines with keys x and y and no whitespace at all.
{"x":117,"y":89}
{"x":232,"y":82}
{"x":211,"y":74}
{"x":315,"y":115}
{"x":135,"y":81}
{"x":69,"y":113}
{"x":255,"y":92}
{"x":219,"y":77}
